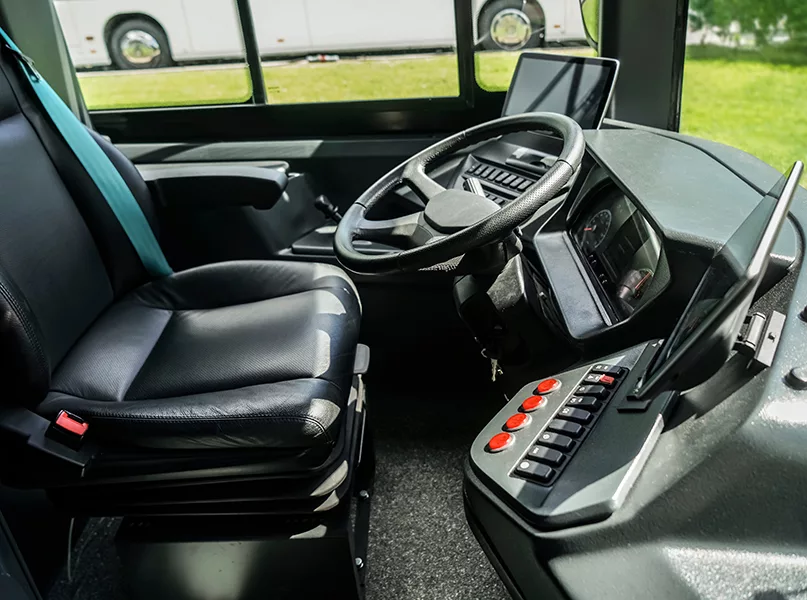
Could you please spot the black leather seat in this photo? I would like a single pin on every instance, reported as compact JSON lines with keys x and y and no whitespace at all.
{"x":233,"y":355}
{"x":242,"y":356}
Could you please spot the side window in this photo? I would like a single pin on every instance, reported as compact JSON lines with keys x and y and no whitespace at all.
{"x":160,"y":53}
{"x":507,"y":27}
{"x":745,"y":77}
{"x":349,"y":50}
{"x":155,"y":53}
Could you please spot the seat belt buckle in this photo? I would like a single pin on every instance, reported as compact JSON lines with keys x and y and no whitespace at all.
{"x":68,"y":429}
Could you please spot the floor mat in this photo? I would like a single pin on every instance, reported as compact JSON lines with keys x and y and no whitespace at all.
{"x":420,"y":544}
{"x":95,"y":566}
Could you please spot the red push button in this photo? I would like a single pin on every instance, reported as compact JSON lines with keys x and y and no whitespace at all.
{"x":517,"y":421}
{"x":68,"y":422}
{"x":499,"y":442}
{"x":607,"y":380}
{"x":547,"y":386}
{"x":532,"y":403}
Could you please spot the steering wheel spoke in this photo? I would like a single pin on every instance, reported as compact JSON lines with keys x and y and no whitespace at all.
{"x":409,"y":231}
{"x":424,"y":186}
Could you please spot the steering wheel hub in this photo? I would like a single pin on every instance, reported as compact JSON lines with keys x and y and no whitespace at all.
{"x":454,"y":210}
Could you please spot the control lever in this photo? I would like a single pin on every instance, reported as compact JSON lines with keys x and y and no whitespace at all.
{"x":533,"y":162}
{"x":473,"y":185}
{"x":323,"y":205}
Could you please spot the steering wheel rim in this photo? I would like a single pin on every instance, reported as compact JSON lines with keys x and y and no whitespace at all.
{"x":443,"y":235}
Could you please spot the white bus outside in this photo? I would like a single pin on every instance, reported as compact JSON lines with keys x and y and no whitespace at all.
{"x":140,"y":34}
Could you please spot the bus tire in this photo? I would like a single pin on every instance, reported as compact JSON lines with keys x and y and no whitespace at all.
{"x":139,"y":44}
{"x":511,"y":25}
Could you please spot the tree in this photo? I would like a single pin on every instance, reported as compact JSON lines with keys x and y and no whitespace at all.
{"x":760,"y":17}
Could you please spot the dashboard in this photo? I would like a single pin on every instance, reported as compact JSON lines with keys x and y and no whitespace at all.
{"x":606,"y":271}
{"x":618,"y":254}
{"x":620,"y":248}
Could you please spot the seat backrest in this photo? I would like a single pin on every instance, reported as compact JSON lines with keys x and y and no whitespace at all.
{"x":64,"y":257}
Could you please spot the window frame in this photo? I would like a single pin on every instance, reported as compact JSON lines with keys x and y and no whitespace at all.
{"x":255,"y":120}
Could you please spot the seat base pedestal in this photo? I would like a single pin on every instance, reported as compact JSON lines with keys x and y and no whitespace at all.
{"x":244,"y":557}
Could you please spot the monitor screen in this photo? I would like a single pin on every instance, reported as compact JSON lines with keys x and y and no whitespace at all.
{"x":575,"y":86}
{"x":705,"y":334}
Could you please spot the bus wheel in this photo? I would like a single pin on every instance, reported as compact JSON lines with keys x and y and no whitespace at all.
{"x":507,"y":25}
{"x":139,"y":44}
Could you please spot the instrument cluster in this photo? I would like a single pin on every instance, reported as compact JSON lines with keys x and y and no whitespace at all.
{"x":621,"y":248}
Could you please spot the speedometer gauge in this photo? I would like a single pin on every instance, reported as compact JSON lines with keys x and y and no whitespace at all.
{"x":595,"y":230}
{"x":632,"y":287}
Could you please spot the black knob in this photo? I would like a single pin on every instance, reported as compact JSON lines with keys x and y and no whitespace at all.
{"x":797,"y":378}
{"x":323,"y":205}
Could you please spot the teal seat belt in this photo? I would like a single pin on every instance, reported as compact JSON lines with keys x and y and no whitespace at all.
{"x":98,"y":166}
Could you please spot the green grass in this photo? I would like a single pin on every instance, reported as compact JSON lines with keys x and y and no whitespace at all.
{"x":375,"y":79}
{"x":494,"y":70}
{"x":299,"y":81}
{"x":296,"y":82}
{"x":781,"y":54}
{"x":591,"y":18}
{"x":139,"y":89}
{"x":753,"y":105}
{"x":753,"y":100}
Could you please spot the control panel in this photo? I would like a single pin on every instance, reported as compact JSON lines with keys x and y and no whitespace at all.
{"x":499,"y":184}
{"x":564,"y":450}
{"x":567,"y":428}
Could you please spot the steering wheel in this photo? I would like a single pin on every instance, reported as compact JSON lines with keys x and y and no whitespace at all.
{"x":454,"y":221}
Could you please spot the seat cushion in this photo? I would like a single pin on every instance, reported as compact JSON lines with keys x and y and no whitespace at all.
{"x":230,"y":355}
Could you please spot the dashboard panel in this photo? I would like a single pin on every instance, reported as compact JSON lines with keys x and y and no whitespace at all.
{"x":620,"y":247}
{"x":623,"y":247}
{"x":585,"y":251}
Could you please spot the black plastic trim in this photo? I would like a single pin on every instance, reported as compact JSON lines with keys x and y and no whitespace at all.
{"x":215,"y":186}
{"x":489,"y":549}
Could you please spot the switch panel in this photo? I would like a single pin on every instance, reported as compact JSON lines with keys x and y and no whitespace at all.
{"x":562,"y":451}
{"x":571,"y":421}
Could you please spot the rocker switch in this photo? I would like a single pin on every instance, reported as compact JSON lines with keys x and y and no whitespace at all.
{"x":574,"y":414}
{"x":534,"y":471}
{"x":565,"y":427}
{"x":597,"y":391}
{"x":598,"y":378}
{"x":554,"y":440}
{"x":545,"y":455}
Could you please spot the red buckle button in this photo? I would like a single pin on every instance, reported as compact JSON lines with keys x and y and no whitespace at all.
{"x":517,"y":421}
{"x":547,"y":386}
{"x":499,"y":442}
{"x":532,"y":403}
{"x":67,"y":422}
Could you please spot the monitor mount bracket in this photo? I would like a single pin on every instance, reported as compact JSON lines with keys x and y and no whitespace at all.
{"x":759,"y":338}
